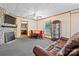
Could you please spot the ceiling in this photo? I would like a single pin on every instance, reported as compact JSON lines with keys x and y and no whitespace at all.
{"x":41,"y":10}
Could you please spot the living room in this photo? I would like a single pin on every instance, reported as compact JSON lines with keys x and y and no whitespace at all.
{"x":39,"y":29}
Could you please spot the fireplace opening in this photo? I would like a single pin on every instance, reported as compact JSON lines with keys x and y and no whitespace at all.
{"x":9,"y":36}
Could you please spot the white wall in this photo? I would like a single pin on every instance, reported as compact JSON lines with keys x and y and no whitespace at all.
{"x":18,"y":29}
{"x":74,"y":22}
{"x":32,"y":25}
{"x":41,"y":24}
{"x":65,"y":23}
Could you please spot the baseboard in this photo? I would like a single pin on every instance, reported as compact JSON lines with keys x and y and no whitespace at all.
{"x":47,"y":38}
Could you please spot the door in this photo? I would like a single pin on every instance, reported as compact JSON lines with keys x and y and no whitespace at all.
{"x":56,"y":30}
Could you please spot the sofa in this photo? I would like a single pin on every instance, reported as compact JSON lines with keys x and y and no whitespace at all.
{"x":63,"y":47}
{"x":52,"y":49}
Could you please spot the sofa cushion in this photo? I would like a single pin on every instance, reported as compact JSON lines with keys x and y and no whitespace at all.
{"x":59,"y":44}
{"x":54,"y":49}
{"x":75,"y":52}
{"x":72,"y":44}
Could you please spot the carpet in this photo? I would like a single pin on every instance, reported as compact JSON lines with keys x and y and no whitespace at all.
{"x":22,"y":47}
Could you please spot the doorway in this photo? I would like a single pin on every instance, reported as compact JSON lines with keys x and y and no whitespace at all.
{"x":24,"y":28}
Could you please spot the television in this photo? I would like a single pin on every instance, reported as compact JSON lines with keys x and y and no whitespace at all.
{"x":9,"y":19}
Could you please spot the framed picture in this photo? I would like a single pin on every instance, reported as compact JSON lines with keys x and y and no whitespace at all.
{"x":47,"y":28}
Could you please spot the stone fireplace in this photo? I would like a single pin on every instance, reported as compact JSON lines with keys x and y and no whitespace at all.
{"x":7,"y":34}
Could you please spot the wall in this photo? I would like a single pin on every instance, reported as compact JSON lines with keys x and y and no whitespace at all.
{"x":41,"y":24}
{"x":74,"y":22}
{"x":32,"y":25}
{"x":18,"y":30}
{"x":65,"y":24}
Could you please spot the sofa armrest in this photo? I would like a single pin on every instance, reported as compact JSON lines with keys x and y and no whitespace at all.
{"x":75,"y":52}
{"x":39,"y":51}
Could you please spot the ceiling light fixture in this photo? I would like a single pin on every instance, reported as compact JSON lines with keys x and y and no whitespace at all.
{"x":34,"y":16}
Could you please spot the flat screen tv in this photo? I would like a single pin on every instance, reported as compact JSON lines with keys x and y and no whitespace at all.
{"x":9,"y":19}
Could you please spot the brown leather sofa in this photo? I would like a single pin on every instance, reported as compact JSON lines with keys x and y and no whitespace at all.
{"x":75,"y":52}
{"x":51,"y":50}
{"x":61,"y":48}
